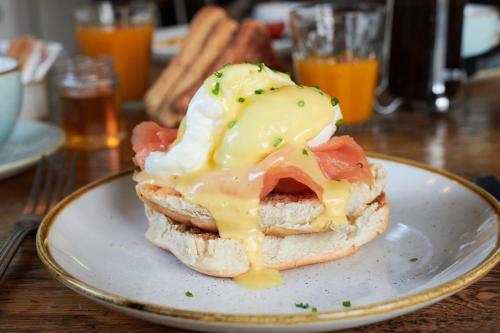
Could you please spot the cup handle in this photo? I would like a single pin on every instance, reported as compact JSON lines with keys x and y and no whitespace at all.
{"x":381,"y":91}
{"x":385,"y":107}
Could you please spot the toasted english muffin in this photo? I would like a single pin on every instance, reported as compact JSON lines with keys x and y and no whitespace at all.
{"x":209,"y":254}
{"x":280,"y":214}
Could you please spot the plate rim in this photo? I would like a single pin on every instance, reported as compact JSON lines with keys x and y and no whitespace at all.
{"x":399,"y":304}
{"x":14,"y":165}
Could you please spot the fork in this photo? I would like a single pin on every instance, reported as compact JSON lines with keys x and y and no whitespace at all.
{"x":45,"y":192}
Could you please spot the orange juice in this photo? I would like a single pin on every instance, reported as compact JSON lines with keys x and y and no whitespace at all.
{"x":130,"y":48}
{"x":353,"y":82}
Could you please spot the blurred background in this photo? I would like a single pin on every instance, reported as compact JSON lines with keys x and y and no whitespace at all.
{"x":96,"y":68}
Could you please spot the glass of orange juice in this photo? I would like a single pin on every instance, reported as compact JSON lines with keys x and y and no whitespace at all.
{"x":124,"y":32}
{"x":338,"y":48}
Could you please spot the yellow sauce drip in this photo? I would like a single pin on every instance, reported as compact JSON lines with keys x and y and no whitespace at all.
{"x":233,"y":201}
{"x":259,"y":278}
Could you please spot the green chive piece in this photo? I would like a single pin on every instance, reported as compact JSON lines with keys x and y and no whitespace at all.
{"x":319,"y":90}
{"x":302,"y":305}
{"x":339,"y":122}
{"x":137,"y":168}
{"x":346,"y":304}
{"x":259,"y":91}
{"x":314,"y":309}
{"x":260,"y":65}
{"x":218,"y":74}
{"x":231,"y":123}
{"x":188,"y":294}
{"x":305,"y":152}
{"x":241,"y":99}
{"x":335,"y":101}
{"x":413,"y":259}
{"x":277,"y":142}
{"x":216,"y":89}
{"x":301,"y":103}
{"x":228,"y":64}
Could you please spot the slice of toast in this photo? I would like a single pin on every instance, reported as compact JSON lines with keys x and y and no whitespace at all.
{"x":250,"y":43}
{"x":200,"y":30}
{"x":217,"y":41}
{"x":224,"y":41}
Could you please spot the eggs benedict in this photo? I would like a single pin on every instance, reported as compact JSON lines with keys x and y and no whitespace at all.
{"x":254,"y":181}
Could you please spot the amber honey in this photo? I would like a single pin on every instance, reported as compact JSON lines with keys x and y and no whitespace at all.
{"x":91,"y":118}
{"x":352,"y":81}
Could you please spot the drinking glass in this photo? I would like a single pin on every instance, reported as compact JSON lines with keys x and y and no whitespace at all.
{"x":90,"y":102}
{"x":124,"y":32}
{"x":339,"y":48}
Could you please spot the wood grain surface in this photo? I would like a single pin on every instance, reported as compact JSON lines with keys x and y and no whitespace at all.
{"x":465,"y":141}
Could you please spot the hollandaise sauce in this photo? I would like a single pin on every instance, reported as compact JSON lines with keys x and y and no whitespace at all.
{"x":260,"y":120}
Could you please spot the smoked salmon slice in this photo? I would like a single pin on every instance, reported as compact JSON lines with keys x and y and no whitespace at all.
{"x":147,"y":137}
{"x":339,"y":158}
{"x":342,"y":158}
{"x":288,"y":179}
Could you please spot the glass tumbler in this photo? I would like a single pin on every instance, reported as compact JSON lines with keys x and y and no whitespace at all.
{"x":339,"y":48}
{"x":90,"y":102}
{"x":124,"y":32}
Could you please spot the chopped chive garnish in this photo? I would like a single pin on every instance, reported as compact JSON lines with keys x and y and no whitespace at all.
{"x":188,"y":294}
{"x":305,"y":152}
{"x":339,"y":122}
{"x":259,"y":91}
{"x":245,"y":61}
{"x":260,"y":65}
{"x":314,"y":309}
{"x":241,"y":99}
{"x":225,"y":65}
{"x":277,"y":142}
{"x":319,"y":90}
{"x":216,"y":89}
{"x":302,"y":305}
{"x":231,"y":123}
{"x":218,"y":74}
{"x":301,"y":103}
{"x":346,"y":304}
{"x":137,"y":168}
{"x":413,"y":259}
{"x":335,"y":101}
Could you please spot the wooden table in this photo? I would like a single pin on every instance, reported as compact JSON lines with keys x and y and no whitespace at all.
{"x":466,"y":141}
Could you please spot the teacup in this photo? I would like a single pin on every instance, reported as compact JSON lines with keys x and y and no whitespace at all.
{"x":10,"y":96}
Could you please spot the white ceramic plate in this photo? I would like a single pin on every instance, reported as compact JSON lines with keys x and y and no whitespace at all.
{"x":94,"y":243}
{"x":164,"y":52}
{"x":28,"y":143}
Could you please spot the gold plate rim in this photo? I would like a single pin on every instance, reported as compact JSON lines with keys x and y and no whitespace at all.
{"x":406,"y":303}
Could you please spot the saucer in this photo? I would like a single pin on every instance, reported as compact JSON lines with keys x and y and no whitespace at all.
{"x":28,"y":143}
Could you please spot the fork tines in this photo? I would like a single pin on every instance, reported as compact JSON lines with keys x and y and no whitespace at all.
{"x":54,"y":179}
